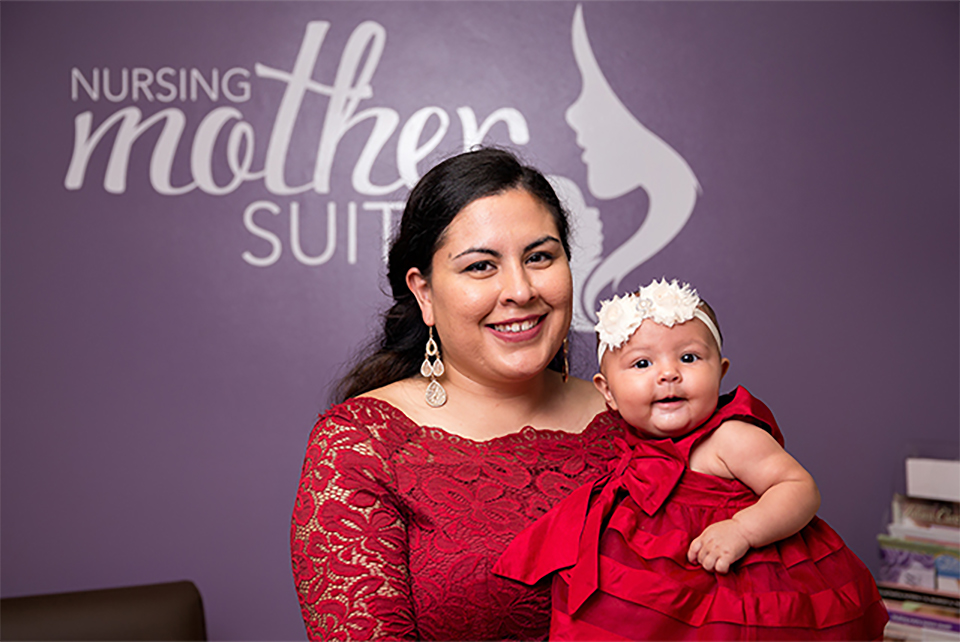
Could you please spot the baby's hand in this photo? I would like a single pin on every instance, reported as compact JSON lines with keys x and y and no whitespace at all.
{"x":719,"y":546}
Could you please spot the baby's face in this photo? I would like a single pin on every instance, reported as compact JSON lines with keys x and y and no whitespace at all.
{"x":664,"y":381}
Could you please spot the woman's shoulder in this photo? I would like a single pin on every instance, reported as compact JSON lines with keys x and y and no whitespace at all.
{"x":583,"y":399}
{"x":363,"y":418}
{"x":581,"y":414}
{"x":400,"y":399}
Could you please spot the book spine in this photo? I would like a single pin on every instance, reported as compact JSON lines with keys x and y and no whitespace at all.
{"x":926,"y":512}
{"x":911,"y":594}
{"x":922,"y":621}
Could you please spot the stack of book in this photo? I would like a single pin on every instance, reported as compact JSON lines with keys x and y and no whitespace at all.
{"x":920,"y":554}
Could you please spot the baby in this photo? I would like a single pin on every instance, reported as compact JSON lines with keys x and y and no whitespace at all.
{"x":705,"y":528}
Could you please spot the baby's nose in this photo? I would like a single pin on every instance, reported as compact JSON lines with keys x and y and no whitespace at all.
{"x":669,"y":374}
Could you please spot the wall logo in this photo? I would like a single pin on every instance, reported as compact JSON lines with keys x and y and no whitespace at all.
{"x":621,"y":155}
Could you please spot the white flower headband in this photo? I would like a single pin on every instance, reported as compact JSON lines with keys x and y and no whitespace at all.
{"x":664,"y":303}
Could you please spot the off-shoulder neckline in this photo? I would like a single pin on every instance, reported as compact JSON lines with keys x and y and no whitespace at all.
{"x":524,"y":433}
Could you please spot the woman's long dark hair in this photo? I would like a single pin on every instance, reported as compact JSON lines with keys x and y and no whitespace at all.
{"x":432,"y":205}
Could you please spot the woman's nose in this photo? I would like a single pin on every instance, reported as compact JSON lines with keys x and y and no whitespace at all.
{"x":517,"y":287}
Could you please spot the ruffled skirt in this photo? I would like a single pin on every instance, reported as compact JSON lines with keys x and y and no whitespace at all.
{"x":807,"y":587}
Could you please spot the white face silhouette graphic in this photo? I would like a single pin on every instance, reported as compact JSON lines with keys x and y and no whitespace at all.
{"x":621,"y":155}
{"x":613,"y":140}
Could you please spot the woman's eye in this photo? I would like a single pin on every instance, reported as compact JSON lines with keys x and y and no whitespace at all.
{"x":539,"y":257}
{"x":689,"y":358}
{"x":642,"y":363}
{"x":479,"y":266}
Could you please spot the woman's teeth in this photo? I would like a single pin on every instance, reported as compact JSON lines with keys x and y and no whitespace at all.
{"x":520,"y":326}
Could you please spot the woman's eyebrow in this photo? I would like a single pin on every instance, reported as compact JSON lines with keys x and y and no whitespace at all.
{"x":494,"y":253}
{"x":478,"y":250}
{"x":540,"y":241}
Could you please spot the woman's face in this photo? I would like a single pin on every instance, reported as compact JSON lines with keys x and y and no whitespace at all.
{"x":500,"y":291}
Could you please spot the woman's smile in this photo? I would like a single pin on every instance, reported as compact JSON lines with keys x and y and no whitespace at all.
{"x":518,"y":330}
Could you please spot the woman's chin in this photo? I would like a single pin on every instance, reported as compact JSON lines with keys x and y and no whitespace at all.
{"x":524,"y":369}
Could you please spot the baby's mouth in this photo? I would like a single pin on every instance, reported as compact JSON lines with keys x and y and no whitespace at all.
{"x":669,"y":400}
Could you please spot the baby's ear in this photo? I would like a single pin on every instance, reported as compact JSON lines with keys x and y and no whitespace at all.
{"x":601,"y":383}
{"x":724,"y":366}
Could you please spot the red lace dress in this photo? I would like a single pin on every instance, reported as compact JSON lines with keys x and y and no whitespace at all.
{"x":617,"y":549}
{"x":397,"y":526}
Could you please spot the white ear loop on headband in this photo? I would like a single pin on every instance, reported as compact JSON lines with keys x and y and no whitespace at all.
{"x":711,"y":326}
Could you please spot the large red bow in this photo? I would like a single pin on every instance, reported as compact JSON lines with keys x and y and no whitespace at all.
{"x":648,"y":470}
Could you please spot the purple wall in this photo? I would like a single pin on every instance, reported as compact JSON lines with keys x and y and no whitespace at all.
{"x":158,"y":387}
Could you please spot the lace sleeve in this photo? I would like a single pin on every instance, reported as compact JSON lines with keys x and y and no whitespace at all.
{"x":348,"y":536}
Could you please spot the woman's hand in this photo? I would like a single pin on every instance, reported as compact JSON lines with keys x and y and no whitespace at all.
{"x":719,"y":546}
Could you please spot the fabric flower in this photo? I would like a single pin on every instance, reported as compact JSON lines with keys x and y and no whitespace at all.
{"x":665,"y":303}
{"x":671,"y":302}
{"x":618,"y":319}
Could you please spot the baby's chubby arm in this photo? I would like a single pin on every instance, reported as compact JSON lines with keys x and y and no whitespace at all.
{"x":788,"y":495}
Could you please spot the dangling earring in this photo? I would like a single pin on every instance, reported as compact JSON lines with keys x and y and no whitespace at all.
{"x":436,"y":396}
{"x":566,"y":361}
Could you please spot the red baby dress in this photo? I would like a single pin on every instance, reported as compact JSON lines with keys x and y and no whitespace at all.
{"x":626,"y":577}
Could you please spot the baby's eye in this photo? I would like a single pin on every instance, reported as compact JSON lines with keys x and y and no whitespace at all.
{"x":642,"y":363}
{"x":689,"y":358}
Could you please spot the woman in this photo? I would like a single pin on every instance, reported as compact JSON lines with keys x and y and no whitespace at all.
{"x":454,"y":434}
